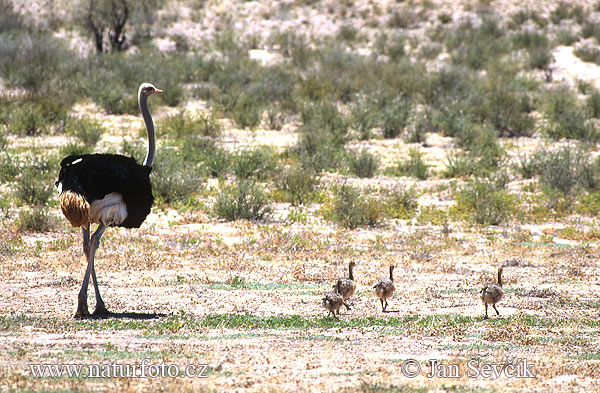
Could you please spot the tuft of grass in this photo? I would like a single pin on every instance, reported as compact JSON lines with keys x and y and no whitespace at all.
{"x":566,"y":116}
{"x":351,"y":209}
{"x":243,"y":200}
{"x":401,"y":203}
{"x":87,"y":130}
{"x":567,"y":168}
{"x":182,"y":125}
{"x":588,"y":53}
{"x":173,"y":178}
{"x":33,"y":188}
{"x":414,"y":166}
{"x":363,"y":163}
{"x":485,"y":202}
{"x":260,"y":163}
{"x":298,"y":185}
{"x":36,"y":219}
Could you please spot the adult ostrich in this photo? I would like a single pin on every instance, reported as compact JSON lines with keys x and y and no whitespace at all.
{"x":108,"y":190}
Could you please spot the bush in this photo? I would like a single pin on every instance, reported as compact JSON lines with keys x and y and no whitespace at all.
{"x":181,"y":125}
{"x":35,"y":220}
{"x":28,"y":118}
{"x":414,"y":166}
{"x":217,"y":161}
{"x":526,"y":167}
{"x":566,"y":117}
{"x":260,"y":163}
{"x":588,"y":53}
{"x":593,"y":104}
{"x":476,"y":45}
{"x":401,"y":203}
{"x":87,"y":130}
{"x":567,"y":168}
{"x":322,"y":136}
{"x":74,"y":148}
{"x":35,"y":61}
{"x":394,"y":117}
{"x":174,"y":179}
{"x":363,"y":163}
{"x":297,"y":185}
{"x":9,"y":167}
{"x":32,"y":188}
{"x":487,"y":204}
{"x":244,"y":200}
{"x":351,"y":209}
{"x":246,"y":112}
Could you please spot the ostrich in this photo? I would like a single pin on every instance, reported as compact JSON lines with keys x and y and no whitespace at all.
{"x":492,"y":293}
{"x":385,"y":288}
{"x":334,"y":300}
{"x":346,"y":286}
{"x":108,"y":190}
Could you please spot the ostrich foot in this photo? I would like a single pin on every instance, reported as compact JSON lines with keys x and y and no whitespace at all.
{"x":82,"y":310}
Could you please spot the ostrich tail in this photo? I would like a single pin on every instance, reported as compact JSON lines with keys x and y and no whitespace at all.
{"x":75,"y":208}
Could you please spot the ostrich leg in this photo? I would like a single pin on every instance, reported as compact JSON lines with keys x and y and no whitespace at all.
{"x":82,"y":308}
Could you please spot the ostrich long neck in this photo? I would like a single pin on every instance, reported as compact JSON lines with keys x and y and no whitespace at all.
{"x":500,"y":278}
{"x":350,"y":276}
{"x":143,"y":103}
{"x":391,"y":273}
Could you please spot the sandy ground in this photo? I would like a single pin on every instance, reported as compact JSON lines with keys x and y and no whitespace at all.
{"x":185,"y":268}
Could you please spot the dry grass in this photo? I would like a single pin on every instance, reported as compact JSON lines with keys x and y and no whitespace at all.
{"x":244,"y":297}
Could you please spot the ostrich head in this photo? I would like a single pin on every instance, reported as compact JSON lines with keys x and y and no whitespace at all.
{"x":147,"y":89}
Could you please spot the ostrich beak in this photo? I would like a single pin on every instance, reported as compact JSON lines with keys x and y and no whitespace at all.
{"x":157,"y":91}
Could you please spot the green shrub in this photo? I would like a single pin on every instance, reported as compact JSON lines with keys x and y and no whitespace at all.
{"x":593,"y":104}
{"x":36,"y":61}
{"x":485,"y":202}
{"x":32,"y":188}
{"x":363,"y":163}
{"x":217,"y":161}
{"x":3,"y":141}
{"x":475,"y":45}
{"x":567,"y":168}
{"x":401,"y":203}
{"x":352,"y":209}
{"x":414,"y":166}
{"x":28,"y":118}
{"x":459,"y":165}
{"x":73,"y":148}
{"x":393,"y":46}
{"x":173,"y":178}
{"x":526,"y":167}
{"x":9,"y":167}
{"x":260,"y":163}
{"x":588,"y":53}
{"x":394,"y":117}
{"x":243,"y":200}
{"x":88,"y":131}
{"x":181,"y":125}
{"x":566,"y":116}
{"x":246,"y":111}
{"x":297,"y":185}
{"x":322,"y":136}
{"x":37,"y":219}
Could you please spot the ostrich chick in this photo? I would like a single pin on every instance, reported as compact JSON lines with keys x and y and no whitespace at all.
{"x":333,"y":301}
{"x":492,"y":293}
{"x":346,"y":286}
{"x":384,"y":289}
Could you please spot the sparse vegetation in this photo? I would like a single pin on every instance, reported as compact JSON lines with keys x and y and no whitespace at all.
{"x":243,"y":200}
{"x":363,"y":163}
{"x":264,"y":189}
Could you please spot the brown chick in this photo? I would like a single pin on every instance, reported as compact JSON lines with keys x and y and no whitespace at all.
{"x":492,"y":293}
{"x":384,"y":289}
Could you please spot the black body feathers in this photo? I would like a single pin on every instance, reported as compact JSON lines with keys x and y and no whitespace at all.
{"x":96,"y":175}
